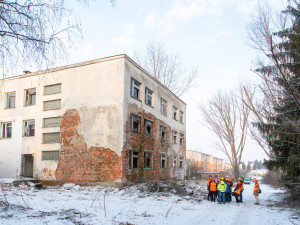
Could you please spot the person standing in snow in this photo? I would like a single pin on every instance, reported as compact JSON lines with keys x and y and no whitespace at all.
{"x":208,"y":187}
{"x":222,"y":188}
{"x":256,"y":192}
{"x":230,"y":189}
{"x":227,"y":192}
{"x":213,"y":190}
{"x":241,"y":194}
{"x":237,"y":191}
{"x":218,"y":192}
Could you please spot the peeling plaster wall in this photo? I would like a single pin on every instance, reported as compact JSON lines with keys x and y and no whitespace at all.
{"x":94,"y":89}
{"x":138,"y":106}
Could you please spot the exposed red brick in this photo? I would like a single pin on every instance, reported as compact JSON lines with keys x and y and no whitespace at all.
{"x":78,"y":163}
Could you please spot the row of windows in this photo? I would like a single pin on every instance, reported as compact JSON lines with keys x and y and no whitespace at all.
{"x":135,"y":92}
{"x":29,"y":129}
{"x":30,"y":96}
{"x":134,"y":157}
{"x":135,"y":127}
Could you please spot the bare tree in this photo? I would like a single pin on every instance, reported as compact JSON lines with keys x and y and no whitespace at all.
{"x":227,"y":117}
{"x":35,"y":31}
{"x":167,"y":68}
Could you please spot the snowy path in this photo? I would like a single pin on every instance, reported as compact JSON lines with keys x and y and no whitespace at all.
{"x":85,"y":205}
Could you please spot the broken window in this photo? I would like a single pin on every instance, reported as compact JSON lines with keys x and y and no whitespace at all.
{"x":52,"y":105}
{"x":163,"y":106}
{"x":51,"y":122}
{"x":28,"y":128}
{"x":135,"y":89}
{"x":133,"y":159}
{"x":10,"y":100}
{"x":135,"y":123}
{"x":30,"y":96}
{"x":163,"y":160}
{"x":148,"y":96}
{"x":174,"y":161}
{"x":180,"y":161}
{"x":49,"y":138}
{"x":174,"y":137}
{"x":50,"y":155}
{"x":180,"y":116}
{"x":174,"y":109}
{"x":6,"y":130}
{"x":52,"y":89}
{"x":181,"y":139}
{"x":147,"y":160}
{"x":163,"y":132}
{"x":148,"y":128}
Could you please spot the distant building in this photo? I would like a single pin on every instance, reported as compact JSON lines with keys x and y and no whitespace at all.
{"x":96,"y":121}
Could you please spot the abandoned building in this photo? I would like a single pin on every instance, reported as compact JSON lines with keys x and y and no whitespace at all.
{"x":96,"y":121}
{"x":201,"y":165}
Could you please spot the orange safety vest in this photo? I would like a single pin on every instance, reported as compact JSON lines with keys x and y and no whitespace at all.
{"x":239,"y":189}
{"x":256,"y":187}
{"x":213,"y":186}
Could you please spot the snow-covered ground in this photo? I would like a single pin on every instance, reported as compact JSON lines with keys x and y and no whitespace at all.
{"x":72,"y":204}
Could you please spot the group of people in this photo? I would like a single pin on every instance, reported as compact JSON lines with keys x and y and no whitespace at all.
{"x":221,"y":190}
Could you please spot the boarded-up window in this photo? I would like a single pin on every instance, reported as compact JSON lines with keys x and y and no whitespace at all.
{"x":50,"y":155}
{"x":51,"y":122}
{"x":52,"y":105}
{"x":51,"y":138}
{"x":52,"y":89}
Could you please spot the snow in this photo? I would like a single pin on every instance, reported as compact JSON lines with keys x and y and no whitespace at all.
{"x":72,"y":204}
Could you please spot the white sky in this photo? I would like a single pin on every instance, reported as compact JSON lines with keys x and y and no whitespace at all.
{"x":209,"y":34}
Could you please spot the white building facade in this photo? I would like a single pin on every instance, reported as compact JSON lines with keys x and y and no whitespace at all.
{"x":101,"y":120}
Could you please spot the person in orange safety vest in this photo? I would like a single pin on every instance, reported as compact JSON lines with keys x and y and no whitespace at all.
{"x":213,"y":190}
{"x":237,"y":191}
{"x":256,"y":192}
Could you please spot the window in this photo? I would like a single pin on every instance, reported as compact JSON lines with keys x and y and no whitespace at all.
{"x":135,"y":123}
{"x":163,"y":161}
{"x":52,"y":89}
{"x":52,"y":105}
{"x":180,"y":116}
{"x":50,"y":155}
{"x":135,"y":88}
{"x":147,"y":160}
{"x":133,"y":159}
{"x":174,"y":137}
{"x":180,"y":161}
{"x":163,"y":133}
{"x":148,"y":128}
{"x":6,"y":130}
{"x":28,"y":128}
{"x":181,"y":139}
{"x":163,"y":106}
{"x":174,"y":109}
{"x":30,"y":96}
{"x":49,"y":138}
{"x":174,"y":161}
{"x":148,"y":96}
{"x":51,"y":122}
{"x":10,"y":100}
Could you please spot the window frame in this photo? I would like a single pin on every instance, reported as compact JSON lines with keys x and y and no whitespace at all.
{"x":181,"y":162}
{"x":174,"y":112}
{"x":44,"y":126}
{"x":147,"y":156}
{"x":133,"y":118}
{"x":51,"y":108}
{"x":161,"y":132}
{"x":148,"y":95}
{"x":174,"y":162}
{"x":135,"y":85}
{"x":163,"y":157}
{"x":8,"y":99}
{"x":181,"y":136}
{"x":163,"y":106}
{"x":131,"y":160}
{"x":147,"y":121}
{"x":181,"y":114}
{"x":174,"y":135}
{"x":43,"y":158}
{"x":52,"y":85}
{"x":26,"y":128}
{"x":4,"y":129}
{"x":54,"y":142}
{"x":28,"y":100}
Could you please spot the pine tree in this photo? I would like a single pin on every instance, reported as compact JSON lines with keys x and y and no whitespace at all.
{"x":282,"y":130}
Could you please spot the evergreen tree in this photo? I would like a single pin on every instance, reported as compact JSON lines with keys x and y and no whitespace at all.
{"x":283,"y":126}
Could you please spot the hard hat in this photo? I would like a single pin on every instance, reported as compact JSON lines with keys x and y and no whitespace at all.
{"x":255,"y":180}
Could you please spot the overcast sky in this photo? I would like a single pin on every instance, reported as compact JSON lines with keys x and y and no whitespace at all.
{"x":209,"y":34}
